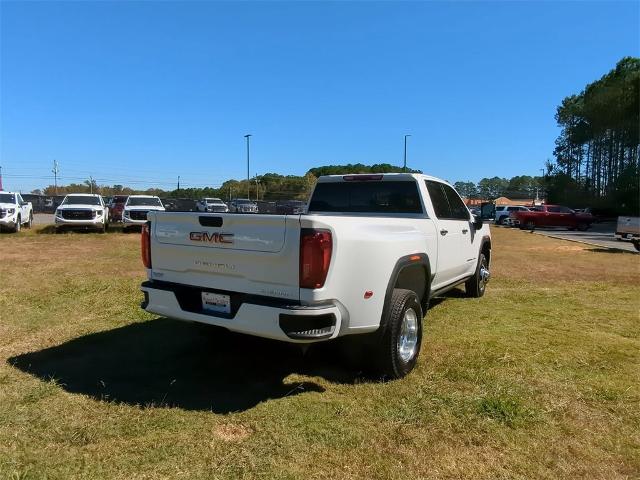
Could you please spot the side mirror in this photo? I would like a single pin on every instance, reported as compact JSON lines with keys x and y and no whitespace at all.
{"x":477,"y":222}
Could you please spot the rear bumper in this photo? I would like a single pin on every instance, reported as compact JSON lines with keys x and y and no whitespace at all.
{"x":253,"y":315}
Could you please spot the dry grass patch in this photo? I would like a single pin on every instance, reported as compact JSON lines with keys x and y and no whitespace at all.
{"x":538,"y":379}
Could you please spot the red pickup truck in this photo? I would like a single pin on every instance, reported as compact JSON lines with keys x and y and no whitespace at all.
{"x":553,"y":216}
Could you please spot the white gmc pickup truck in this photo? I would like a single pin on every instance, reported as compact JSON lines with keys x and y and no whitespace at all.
{"x":364,"y":260}
{"x":14,"y":212}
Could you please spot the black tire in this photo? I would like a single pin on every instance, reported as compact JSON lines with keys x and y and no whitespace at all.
{"x":30,"y":222}
{"x":391,"y":360}
{"x":583,"y":227}
{"x":18,"y":226}
{"x":530,"y":225}
{"x":501,"y":221}
{"x":476,"y":285}
{"x":636,"y":243}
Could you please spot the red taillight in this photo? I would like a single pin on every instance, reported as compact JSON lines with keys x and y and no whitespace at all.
{"x":145,"y":245}
{"x":315,"y":256}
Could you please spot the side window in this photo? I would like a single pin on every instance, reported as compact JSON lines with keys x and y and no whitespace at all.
{"x":457,"y":207}
{"x":565,"y":210}
{"x":553,"y":209}
{"x":511,"y":209}
{"x":438,"y":199}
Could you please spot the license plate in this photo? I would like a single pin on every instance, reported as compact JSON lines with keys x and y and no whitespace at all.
{"x":216,"y":303}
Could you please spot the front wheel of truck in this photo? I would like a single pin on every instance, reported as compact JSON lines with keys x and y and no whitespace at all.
{"x":398,"y":343}
{"x":476,"y":285}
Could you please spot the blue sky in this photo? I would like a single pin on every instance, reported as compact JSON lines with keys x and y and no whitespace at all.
{"x":139,"y":92}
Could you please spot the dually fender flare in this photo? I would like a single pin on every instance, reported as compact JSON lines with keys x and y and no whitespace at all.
{"x":403,"y":262}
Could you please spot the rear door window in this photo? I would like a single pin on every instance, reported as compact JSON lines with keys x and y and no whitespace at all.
{"x":366,"y":197}
{"x":438,"y":199}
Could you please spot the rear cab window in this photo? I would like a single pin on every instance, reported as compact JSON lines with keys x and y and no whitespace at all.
{"x":371,"y":196}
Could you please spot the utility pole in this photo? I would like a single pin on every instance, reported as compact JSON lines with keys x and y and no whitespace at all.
{"x":247,"y":136}
{"x":0,"y":178}
{"x":91,"y":184}
{"x":404,"y":167}
{"x":55,"y":172}
{"x":178,"y":190}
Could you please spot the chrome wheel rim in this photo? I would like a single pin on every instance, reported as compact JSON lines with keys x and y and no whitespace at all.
{"x":484,"y":275}
{"x":408,"y":338}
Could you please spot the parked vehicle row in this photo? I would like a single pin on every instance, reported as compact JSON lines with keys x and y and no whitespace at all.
{"x":15,"y":213}
{"x":83,"y":211}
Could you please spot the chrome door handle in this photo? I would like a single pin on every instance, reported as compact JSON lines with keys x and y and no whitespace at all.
{"x":444,"y":232}
{"x":464,"y":230}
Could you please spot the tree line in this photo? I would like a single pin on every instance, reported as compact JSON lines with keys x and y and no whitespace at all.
{"x":596,"y":153}
{"x":269,"y":187}
{"x":273,"y":186}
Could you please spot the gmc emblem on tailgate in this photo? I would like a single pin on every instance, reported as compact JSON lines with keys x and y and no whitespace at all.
{"x":211,"y":237}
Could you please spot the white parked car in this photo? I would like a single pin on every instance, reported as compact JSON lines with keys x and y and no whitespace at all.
{"x":82,"y":211}
{"x":503,"y":212}
{"x":242,"y":205}
{"x":364,"y":261}
{"x":135,"y":211}
{"x":15,"y":213}
{"x":212,"y":205}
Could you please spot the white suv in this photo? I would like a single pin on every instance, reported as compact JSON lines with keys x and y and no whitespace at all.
{"x":135,"y":210}
{"x":82,"y":211}
{"x":212,"y":205}
{"x":503,"y":212}
{"x":242,"y":205}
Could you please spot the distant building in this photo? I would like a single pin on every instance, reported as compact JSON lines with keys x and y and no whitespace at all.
{"x":518,"y":201}
{"x":500,"y":201}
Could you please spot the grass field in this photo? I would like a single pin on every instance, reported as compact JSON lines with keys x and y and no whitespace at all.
{"x":538,"y":379}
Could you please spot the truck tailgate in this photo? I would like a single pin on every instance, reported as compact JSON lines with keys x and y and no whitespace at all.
{"x":252,"y":254}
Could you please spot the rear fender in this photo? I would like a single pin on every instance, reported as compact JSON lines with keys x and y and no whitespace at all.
{"x":405,"y":275}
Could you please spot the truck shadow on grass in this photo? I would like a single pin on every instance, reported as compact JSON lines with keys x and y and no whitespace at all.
{"x":166,"y":363}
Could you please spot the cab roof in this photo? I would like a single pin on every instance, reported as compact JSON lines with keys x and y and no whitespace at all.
{"x":383,"y":177}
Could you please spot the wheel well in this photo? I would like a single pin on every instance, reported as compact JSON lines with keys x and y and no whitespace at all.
{"x":486,"y":249}
{"x":414,"y":277}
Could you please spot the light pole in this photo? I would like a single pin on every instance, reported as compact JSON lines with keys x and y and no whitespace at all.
{"x":247,"y":136}
{"x":257,"y":190}
{"x":404,"y":167}
{"x":55,"y":172}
